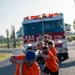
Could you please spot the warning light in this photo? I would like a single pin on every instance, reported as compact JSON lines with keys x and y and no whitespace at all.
{"x":44,"y":15}
{"x":27,"y":18}
{"x":33,"y":17}
{"x":56,"y":14}
{"x":38,"y":16}
{"x":51,"y":15}
{"x":41,"y":16}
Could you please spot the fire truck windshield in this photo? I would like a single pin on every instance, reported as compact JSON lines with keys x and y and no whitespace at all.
{"x":32,"y":28}
{"x":43,"y":27}
{"x":53,"y":26}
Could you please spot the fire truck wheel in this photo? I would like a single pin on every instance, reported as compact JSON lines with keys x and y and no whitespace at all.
{"x":62,"y":56}
{"x":66,"y":56}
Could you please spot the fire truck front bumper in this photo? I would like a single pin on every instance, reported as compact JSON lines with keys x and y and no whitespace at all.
{"x":62,"y":54}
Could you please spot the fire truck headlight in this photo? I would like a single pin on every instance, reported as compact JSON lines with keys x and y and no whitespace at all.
{"x":59,"y":41}
{"x":29,"y":45}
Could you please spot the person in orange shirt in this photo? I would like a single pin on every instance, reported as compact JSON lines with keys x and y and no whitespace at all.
{"x":51,"y":66}
{"x":52,"y":49}
{"x":26,"y":64}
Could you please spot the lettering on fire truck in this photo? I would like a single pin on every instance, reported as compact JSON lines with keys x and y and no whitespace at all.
{"x":29,"y":38}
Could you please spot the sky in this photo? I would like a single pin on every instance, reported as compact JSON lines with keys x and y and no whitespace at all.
{"x":12,"y":12}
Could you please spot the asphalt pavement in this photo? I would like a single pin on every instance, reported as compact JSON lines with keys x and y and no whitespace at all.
{"x":66,"y":67}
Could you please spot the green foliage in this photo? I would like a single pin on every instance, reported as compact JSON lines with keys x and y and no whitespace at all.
{"x":71,"y":37}
{"x":7,"y":33}
{"x":13,"y":36}
{"x":10,"y":41}
{"x":2,"y":39}
{"x":20,"y":30}
{"x":66,"y":24}
{"x":74,"y":24}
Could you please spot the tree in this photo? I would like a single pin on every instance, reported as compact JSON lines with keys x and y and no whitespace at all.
{"x":68,"y":27}
{"x":20,"y":31}
{"x":19,"y":35}
{"x":7,"y":34}
{"x":74,"y":24}
{"x":13,"y":36}
{"x":2,"y":39}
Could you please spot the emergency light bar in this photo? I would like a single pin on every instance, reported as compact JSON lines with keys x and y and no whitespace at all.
{"x":42,"y":16}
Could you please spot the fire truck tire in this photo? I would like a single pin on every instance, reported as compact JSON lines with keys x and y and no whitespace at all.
{"x":66,"y":56}
{"x":62,"y":56}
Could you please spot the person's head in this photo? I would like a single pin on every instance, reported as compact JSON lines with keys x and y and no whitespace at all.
{"x":30,"y":57}
{"x":45,"y":50}
{"x":45,"y":37}
{"x":50,"y":43}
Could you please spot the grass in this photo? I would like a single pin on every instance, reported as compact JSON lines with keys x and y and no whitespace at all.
{"x":4,"y":46}
{"x":4,"y":56}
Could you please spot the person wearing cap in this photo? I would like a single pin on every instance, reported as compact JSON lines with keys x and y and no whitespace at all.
{"x":26,"y":63}
{"x":51,"y":67}
{"x":52,"y":49}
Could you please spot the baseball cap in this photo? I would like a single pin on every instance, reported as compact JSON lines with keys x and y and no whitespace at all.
{"x":30,"y":55}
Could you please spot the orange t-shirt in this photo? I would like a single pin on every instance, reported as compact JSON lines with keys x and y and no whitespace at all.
{"x":33,"y":70}
{"x":51,"y":63}
{"x":54,"y":51}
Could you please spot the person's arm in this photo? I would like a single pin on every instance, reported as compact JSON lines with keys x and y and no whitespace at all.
{"x":15,"y":61}
{"x":40,"y":46}
{"x":45,"y":56}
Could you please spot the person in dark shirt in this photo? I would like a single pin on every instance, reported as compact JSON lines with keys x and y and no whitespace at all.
{"x":43,"y":42}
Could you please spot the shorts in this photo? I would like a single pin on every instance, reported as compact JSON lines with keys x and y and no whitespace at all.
{"x":46,"y":70}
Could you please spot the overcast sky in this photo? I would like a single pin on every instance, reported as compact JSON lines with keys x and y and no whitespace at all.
{"x":12,"y":12}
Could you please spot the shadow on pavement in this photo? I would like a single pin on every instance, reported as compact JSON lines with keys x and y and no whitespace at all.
{"x":66,"y":64}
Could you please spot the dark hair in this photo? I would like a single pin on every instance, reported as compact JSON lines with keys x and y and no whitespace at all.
{"x":46,"y":50}
{"x":50,"y":43}
{"x":45,"y":47}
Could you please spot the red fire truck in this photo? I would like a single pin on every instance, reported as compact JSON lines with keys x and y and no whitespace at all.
{"x":35,"y":27}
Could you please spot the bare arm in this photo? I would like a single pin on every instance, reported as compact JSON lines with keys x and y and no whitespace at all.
{"x":44,"y":56}
{"x":40,"y":46}
{"x":15,"y":61}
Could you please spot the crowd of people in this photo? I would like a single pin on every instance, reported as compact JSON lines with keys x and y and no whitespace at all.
{"x":27,"y":65}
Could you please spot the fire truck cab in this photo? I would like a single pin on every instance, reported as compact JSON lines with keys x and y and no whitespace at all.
{"x":35,"y":27}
